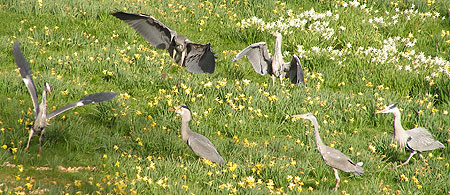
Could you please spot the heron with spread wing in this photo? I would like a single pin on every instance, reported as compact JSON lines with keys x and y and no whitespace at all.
{"x":197,"y":58}
{"x":263,"y":64}
{"x":41,"y":117}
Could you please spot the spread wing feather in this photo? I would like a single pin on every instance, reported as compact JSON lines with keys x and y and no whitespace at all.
{"x":153,"y":31}
{"x":200,"y":58}
{"x":294,"y":71}
{"x":258,"y":56}
{"x":25,"y":72}
{"x":94,"y":98}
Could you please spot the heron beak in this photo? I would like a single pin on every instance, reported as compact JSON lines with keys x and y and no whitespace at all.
{"x":380,"y":111}
{"x":48,"y":88}
{"x":175,"y":108}
{"x":299,"y":116}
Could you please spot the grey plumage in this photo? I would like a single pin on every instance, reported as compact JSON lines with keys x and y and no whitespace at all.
{"x":417,"y":140}
{"x":332,"y":157}
{"x":40,"y":111}
{"x":198,"y":143}
{"x":197,"y":58}
{"x":263,"y":64}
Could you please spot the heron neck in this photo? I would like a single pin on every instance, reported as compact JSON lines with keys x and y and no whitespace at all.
{"x":319,"y":142}
{"x":277,"y":56}
{"x":185,"y":130}
{"x":43,"y":106}
{"x":398,"y":128}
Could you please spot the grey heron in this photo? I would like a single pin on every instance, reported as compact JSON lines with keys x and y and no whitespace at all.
{"x":263,"y":64}
{"x":41,"y":118}
{"x":417,"y":140}
{"x":198,"y":143}
{"x":197,"y":58}
{"x":332,"y":157}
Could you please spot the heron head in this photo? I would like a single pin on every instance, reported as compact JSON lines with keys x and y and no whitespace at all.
{"x":309,"y":116}
{"x":183,"y":110}
{"x":180,"y":42}
{"x":389,"y":109}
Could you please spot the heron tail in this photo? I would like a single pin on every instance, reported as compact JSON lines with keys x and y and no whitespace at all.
{"x":359,"y":170}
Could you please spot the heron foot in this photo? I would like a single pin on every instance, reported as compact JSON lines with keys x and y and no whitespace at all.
{"x":163,"y":75}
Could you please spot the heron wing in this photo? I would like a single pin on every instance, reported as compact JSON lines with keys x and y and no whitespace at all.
{"x":338,"y":160}
{"x":200,"y":58}
{"x":94,"y":98}
{"x":421,"y":140}
{"x":153,"y":31}
{"x":201,"y":146}
{"x":294,"y":71}
{"x":258,"y":56}
{"x":25,"y":72}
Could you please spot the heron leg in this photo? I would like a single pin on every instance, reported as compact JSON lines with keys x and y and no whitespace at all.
{"x":29,"y":138}
{"x":273,"y":80}
{"x":183,"y":55}
{"x":179,"y":76}
{"x":163,"y":75}
{"x":40,"y":142}
{"x":424,"y":160}
{"x":281,"y":79}
{"x":409,"y":158}
{"x":337,"y":179}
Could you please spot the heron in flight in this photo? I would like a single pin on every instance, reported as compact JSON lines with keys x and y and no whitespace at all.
{"x":199,"y":144}
{"x":263,"y":64}
{"x":197,"y":58}
{"x":41,"y":118}
{"x":332,"y":157}
{"x":417,"y":140}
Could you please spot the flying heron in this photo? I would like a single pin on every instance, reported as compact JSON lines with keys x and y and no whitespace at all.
{"x":197,"y":58}
{"x":417,"y":140}
{"x":332,"y":157}
{"x":199,"y":144}
{"x":41,"y":118}
{"x":263,"y":64}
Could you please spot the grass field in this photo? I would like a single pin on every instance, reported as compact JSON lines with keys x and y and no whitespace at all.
{"x":357,"y":56}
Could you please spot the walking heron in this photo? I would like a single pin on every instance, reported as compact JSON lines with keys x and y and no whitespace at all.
{"x":199,"y":144}
{"x":417,"y":140}
{"x":332,"y":157}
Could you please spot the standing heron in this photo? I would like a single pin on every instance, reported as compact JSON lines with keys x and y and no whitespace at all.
{"x":262,"y":62}
{"x":41,"y":118}
{"x":417,"y":140}
{"x":332,"y":157}
{"x":199,"y":144}
{"x":197,"y":58}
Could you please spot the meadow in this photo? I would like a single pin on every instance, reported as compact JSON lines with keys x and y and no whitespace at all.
{"x":358,"y":57}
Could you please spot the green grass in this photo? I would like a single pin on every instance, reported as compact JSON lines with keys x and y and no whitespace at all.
{"x":133,"y":142}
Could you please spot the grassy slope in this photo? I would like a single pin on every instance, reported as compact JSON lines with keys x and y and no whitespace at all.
{"x":72,"y":45}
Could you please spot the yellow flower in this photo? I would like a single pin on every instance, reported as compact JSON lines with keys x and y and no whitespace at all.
{"x":29,"y":185}
{"x":5,"y":146}
{"x":77,"y":183}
